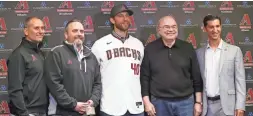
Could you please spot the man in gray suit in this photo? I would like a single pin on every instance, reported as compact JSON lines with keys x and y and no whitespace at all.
{"x":222,"y":70}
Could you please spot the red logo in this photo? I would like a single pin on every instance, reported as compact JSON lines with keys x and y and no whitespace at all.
{"x":132,"y":24}
{"x":189,"y":6}
{"x":248,"y":59}
{"x":3,"y":29}
{"x":245,"y":23}
{"x":65,"y":6}
{"x":33,"y":57}
{"x":88,"y":24}
{"x":46,"y":21}
{"x":4,"y":107}
{"x":249,"y":96}
{"x":123,"y":7}
{"x":151,"y":38}
{"x":22,"y":7}
{"x":191,"y":39}
{"x":107,"y":6}
{"x":3,"y":67}
{"x":149,"y":6}
{"x":230,"y":39}
{"x":226,"y":6}
{"x":69,"y":62}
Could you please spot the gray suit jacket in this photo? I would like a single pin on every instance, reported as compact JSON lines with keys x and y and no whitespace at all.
{"x":232,"y":78}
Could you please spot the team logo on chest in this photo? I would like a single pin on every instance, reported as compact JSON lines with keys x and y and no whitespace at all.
{"x":123,"y":52}
{"x":33,"y":58}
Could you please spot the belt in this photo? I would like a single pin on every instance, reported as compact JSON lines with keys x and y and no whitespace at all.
{"x":214,"y":98}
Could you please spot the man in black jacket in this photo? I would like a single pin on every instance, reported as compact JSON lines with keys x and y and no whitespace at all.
{"x":72,"y":73}
{"x":27,"y":90}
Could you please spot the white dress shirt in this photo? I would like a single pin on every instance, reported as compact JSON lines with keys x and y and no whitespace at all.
{"x":212,"y":61}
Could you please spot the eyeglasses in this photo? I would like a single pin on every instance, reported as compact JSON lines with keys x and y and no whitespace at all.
{"x":167,"y":27}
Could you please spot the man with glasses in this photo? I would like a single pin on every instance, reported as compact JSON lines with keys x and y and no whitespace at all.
{"x":170,"y":76}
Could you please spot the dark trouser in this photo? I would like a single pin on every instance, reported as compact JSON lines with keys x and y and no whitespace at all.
{"x":183,"y":107}
{"x":126,"y":114}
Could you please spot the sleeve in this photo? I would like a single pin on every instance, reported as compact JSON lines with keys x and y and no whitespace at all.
{"x":53,"y":76}
{"x":195,"y":72}
{"x":240,"y":83}
{"x":145,"y":75}
{"x":97,"y":86}
{"x":16,"y":76}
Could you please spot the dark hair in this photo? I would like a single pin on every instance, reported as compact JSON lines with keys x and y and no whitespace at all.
{"x":28,"y":19}
{"x":210,"y":18}
{"x":72,"y":21}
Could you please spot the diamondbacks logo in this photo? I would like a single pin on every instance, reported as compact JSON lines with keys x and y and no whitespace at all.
{"x":249,"y":96}
{"x":69,"y":62}
{"x":107,"y":6}
{"x":229,"y":38}
{"x":189,"y":6}
{"x":22,"y":7}
{"x":4,"y":108}
{"x":245,"y":24}
{"x":132,"y":24}
{"x":65,"y":8}
{"x":47,"y":25}
{"x":88,"y":24}
{"x":149,"y":7}
{"x":3,"y":28}
{"x":33,"y":58}
{"x":151,"y":38}
{"x":248,"y":59}
{"x":3,"y":67}
{"x":191,"y":39}
{"x":226,"y":7}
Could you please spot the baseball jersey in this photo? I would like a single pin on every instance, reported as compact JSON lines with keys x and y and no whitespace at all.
{"x":120,"y":74}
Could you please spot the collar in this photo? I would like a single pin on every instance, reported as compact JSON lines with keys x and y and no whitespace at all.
{"x":31,"y":45}
{"x":118,"y":36}
{"x":219,"y":46}
{"x":86,"y":51}
{"x":71,"y":44}
{"x":176,"y":44}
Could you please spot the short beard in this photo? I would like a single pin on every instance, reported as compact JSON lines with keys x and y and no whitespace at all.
{"x":119,"y":27}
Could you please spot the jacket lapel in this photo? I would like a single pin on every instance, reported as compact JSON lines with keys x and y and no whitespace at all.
{"x":223,"y":55}
{"x":203,"y":68}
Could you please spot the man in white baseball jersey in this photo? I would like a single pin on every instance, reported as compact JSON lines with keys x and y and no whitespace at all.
{"x":120,"y":56}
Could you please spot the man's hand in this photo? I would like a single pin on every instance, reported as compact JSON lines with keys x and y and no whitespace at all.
{"x":80,"y":107}
{"x":90,"y":102}
{"x":239,"y":112}
{"x":197,"y":109}
{"x":150,"y":109}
